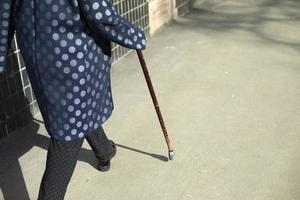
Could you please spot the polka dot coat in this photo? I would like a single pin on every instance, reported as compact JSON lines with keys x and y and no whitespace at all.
{"x":66,"y":47}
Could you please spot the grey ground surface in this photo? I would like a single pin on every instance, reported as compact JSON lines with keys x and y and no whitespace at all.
{"x":227,"y":77}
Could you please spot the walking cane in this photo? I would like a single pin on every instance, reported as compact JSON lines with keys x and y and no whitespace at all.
{"x":155,"y":102}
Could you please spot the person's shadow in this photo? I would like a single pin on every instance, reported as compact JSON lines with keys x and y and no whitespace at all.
{"x":18,"y":143}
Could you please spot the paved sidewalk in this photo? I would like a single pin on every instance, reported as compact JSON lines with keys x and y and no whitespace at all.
{"x":227,"y":77}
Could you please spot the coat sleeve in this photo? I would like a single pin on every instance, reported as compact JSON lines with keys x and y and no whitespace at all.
{"x":102,"y":18}
{"x":7,"y":30}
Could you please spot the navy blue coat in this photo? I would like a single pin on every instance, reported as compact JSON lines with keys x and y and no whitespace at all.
{"x":66,"y":47}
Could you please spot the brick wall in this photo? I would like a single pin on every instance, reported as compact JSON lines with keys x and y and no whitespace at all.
{"x":163,"y":11}
{"x":159,"y":14}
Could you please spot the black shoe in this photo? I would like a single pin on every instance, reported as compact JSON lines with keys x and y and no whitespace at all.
{"x":104,"y":164}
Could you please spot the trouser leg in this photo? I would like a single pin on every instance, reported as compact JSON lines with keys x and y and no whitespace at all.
{"x":61,"y":161}
{"x":99,"y":143}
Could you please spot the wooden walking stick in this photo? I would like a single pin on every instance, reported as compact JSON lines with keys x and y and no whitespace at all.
{"x":155,"y":102}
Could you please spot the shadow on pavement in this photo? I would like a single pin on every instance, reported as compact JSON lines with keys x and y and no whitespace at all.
{"x":267,"y":20}
{"x":17,"y":144}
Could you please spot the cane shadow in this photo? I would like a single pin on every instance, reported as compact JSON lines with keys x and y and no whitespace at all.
{"x":88,"y":156}
{"x":153,"y":155}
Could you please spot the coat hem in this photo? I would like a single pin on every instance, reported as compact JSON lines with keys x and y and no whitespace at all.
{"x":87,"y":132}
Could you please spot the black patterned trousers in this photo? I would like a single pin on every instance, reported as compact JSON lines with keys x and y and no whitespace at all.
{"x":61,"y":161}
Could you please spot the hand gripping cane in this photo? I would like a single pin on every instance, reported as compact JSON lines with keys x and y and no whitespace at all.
{"x":155,"y":102}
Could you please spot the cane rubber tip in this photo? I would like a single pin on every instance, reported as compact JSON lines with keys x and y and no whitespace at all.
{"x":171,"y":155}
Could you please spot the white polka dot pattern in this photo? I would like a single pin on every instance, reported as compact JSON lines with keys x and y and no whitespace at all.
{"x":7,"y":30}
{"x":68,"y":58}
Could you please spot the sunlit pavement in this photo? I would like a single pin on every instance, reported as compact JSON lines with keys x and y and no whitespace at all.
{"x":227,"y":78}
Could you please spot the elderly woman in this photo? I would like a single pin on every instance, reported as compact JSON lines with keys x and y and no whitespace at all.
{"x":66,"y":46}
